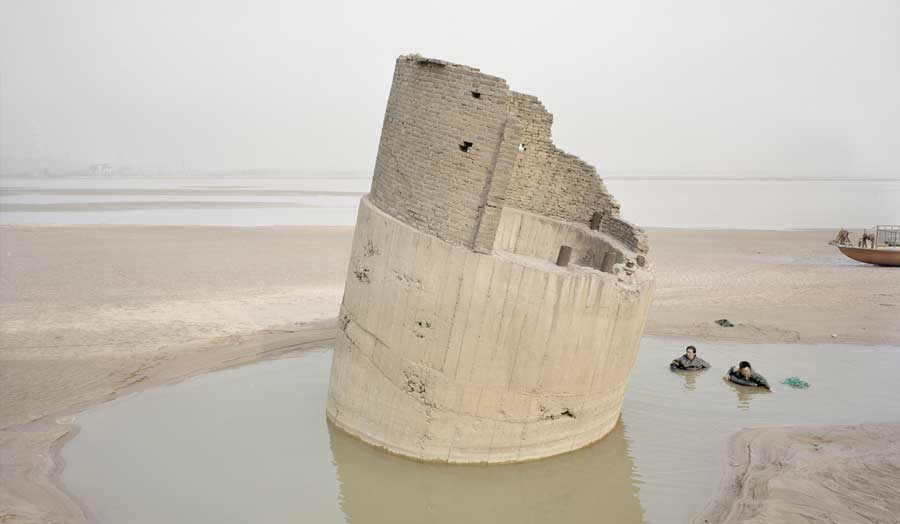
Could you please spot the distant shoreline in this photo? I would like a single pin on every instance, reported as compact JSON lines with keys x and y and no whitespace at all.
{"x":366,"y":174}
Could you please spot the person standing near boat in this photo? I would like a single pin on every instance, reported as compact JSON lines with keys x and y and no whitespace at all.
{"x":842,"y":238}
{"x":689,"y":361}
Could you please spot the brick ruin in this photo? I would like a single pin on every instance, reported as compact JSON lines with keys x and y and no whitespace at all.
{"x":465,"y":335}
{"x":457,"y":146}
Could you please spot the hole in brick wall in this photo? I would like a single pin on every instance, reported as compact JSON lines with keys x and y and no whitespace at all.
{"x":521,"y":147}
{"x":476,"y":94}
{"x":465,"y":146}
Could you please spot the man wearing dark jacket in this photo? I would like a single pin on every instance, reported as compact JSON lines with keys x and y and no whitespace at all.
{"x":689,"y":361}
{"x":745,"y":376}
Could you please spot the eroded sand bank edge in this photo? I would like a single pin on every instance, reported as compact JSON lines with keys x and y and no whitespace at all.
{"x":810,"y":474}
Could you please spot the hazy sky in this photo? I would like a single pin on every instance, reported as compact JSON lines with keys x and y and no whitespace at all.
{"x":777,"y":87}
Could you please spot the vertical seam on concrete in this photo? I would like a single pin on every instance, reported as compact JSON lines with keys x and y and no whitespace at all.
{"x":476,"y":345}
{"x":413,"y":299}
{"x":488,"y":182}
{"x":448,"y":284}
{"x":518,"y":343}
{"x":515,"y":245}
{"x":506,"y":299}
{"x":454,"y":311}
{"x":466,"y":325}
{"x":557,"y":305}
{"x":457,"y":310}
{"x":518,"y":336}
{"x":606,"y":347}
{"x":439,"y":296}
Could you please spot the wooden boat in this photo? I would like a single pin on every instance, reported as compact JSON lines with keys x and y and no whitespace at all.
{"x":879,"y":257}
{"x":884,"y":250}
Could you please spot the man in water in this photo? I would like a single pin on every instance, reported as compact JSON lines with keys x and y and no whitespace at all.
{"x":689,"y":361}
{"x":745,"y":376}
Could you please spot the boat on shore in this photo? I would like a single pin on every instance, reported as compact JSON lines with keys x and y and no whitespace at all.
{"x":880,"y":248}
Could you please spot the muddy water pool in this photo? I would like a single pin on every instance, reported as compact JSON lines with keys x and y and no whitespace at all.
{"x":252,"y":445}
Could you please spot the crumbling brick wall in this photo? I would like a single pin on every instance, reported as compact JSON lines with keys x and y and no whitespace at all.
{"x":458,"y":145}
{"x":627,"y":233}
{"x":447,"y":150}
{"x":550,"y":182}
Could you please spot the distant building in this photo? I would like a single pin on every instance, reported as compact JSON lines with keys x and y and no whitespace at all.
{"x":101,"y":169}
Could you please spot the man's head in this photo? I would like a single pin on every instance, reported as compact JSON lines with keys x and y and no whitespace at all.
{"x":745,"y":369}
{"x":691,"y":352}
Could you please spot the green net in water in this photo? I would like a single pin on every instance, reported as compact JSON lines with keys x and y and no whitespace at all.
{"x":796,"y":382}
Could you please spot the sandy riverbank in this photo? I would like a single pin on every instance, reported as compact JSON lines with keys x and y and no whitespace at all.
{"x":88,"y":314}
{"x":785,"y":286}
{"x":847,"y":474}
{"x":91,"y":313}
{"x":121,"y":288}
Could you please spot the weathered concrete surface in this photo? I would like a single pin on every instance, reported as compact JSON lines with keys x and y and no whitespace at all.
{"x":460,"y":339}
{"x":451,"y":355}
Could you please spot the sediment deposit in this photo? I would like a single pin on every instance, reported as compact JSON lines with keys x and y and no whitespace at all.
{"x":494,"y":299}
{"x":845,"y":474}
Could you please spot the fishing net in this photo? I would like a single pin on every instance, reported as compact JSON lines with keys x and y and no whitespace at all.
{"x":796,"y":382}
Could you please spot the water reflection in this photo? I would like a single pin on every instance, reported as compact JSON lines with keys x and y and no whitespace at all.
{"x":745,"y":393}
{"x":595,"y":484}
{"x":690,"y":378}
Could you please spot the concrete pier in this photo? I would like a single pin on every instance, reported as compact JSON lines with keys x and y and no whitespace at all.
{"x":460,"y":338}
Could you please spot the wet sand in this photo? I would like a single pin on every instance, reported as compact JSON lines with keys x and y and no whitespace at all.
{"x":69,"y":291}
{"x":88,"y":314}
{"x":847,"y":474}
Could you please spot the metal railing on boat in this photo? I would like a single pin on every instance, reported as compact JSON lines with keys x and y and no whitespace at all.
{"x":887,"y":236}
